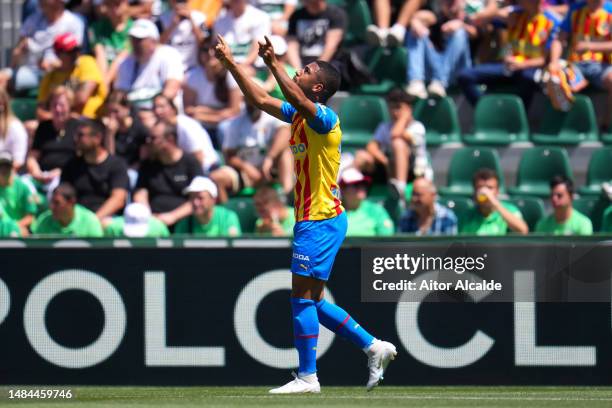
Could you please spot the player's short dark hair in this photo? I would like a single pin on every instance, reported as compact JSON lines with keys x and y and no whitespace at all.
{"x":484,"y":174}
{"x":96,"y":126}
{"x":569,"y":184}
{"x":398,"y":95}
{"x":330,"y":77}
{"x":67,"y":191}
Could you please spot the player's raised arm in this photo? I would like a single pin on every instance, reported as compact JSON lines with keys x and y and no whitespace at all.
{"x":291,"y":90}
{"x":253,"y":92}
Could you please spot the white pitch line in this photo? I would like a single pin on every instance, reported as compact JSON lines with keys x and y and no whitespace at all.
{"x":416,"y":397}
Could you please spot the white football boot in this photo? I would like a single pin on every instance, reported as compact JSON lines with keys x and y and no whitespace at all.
{"x":380,"y":355}
{"x":300,"y":385}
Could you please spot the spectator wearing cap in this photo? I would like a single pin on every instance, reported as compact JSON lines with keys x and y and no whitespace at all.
{"x":66,"y":217}
{"x":397,"y":152}
{"x":315,"y":33}
{"x":491,"y":216}
{"x":255,"y":145}
{"x":165,"y":174}
{"x":15,"y":196}
{"x":280,"y":50}
{"x":99,"y":178}
{"x":78,"y":72}
{"x":365,"y":218}
{"x":109,"y":38}
{"x":426,"y":216}
{"x":242,"y":26}
{"x":136,"y":222}
{"x":275,"y":218}
{"x":13,"y":135}
{"x":8,"y":227}
{"x":192,"y":137}
{"x":183,"y":29}
{"x":565,"y":219}
{"x":279,"y":12}
{"x":151,"y":68}
{"x":207,"y":219}
{"x":33,"y":55}
{"x":210,"y":95}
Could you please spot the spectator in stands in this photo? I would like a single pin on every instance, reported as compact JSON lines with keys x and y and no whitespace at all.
{"x":8,"y":226}
{"x":365,"y":218}
{"x":54,"y":140}
{"x":275,"y":218}
{"x":438,"y":48}
{"x":210,"y":95}
{"x":279,"y":12}
{"x":208,"y":219}
{"x":151,"y":68}
{"x":210,"y":9}
{"x":315,"y":33}
{"x":66,"y":217}
{"x":192,"y":138}
{"x":255,"y":145}
{"x":165,"y":174}
{"x":15,"y":196}
{"x":136,"y":222}
{"x":109,"y":38}
{"x":397,"y":150}
{"x":565,"y":219}
{"x":33,"y":55}
{"x":13,"y":136}
{"x":426,"y":216}
{"x":99,"y":178}
{"x":280,"y":50}
{"x":559,"y":7}
{"x":585,"y":33}
{"x":527,"y":52}
{"x":183,"y":29}
{"x":382,"y":34}
{"x":490,"y":216}
{"x":242,"y":25}
{"x":78,"y":72}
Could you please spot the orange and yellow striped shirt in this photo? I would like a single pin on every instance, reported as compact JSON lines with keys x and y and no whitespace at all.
{"x":315,"y":145}
{"x":530,"y":37}
{"x":583,"y":25}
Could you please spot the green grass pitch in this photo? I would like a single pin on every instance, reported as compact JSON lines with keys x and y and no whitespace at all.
{"x":352,"y":397}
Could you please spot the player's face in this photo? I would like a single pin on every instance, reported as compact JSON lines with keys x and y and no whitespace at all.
{"x":202,"y":202}
{"x":560,"y":197}
{"x":308,"y":79}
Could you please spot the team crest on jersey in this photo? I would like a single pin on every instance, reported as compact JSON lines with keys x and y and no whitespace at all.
{"x":298,"y":149}
{"x":335,"y":192}
{"x":603,"y":29}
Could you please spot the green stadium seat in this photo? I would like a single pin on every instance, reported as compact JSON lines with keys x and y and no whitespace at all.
{"x":606,"y":222}
{"x":606,"y":138}
{"x":592,"y":207}
{"x":567,"y":128}
{"x":599,"y":171}
{"x":459,"y":205}
{"x":388,"y":65}
{"x":531,"y":208}
{"x":359,"y":17}
{"x":464,"y":163}
{"x":499,"y":120}
{"x":24,"y":108}
{"x":245,"y":208}
{"x":359,"y":117}
{"x":439,"y":115}
{"x":392,"y":206}
{"x":537,"y":167}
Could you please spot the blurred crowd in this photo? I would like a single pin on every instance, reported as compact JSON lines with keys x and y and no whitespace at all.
{"x":139,"y":131}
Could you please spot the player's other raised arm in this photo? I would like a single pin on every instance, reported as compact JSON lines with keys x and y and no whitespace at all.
{"x":252,"y":92}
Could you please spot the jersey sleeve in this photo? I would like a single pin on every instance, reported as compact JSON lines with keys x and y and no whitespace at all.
{"x":288,"y":111}
{"x":324,"y":121}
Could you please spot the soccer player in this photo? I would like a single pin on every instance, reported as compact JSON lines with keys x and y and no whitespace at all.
{"x":320,"y":218}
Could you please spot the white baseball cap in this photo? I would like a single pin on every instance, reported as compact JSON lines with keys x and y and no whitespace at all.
{"x":353,"y":176}
{"x":143,"y":28}
{"x":136,"y":220}
{"x":200,"y":184}
{"x":279,"y":44}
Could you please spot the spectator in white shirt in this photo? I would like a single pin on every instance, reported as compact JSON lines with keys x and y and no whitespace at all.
{"x":13,"y":136}
{"x":279,"y":12}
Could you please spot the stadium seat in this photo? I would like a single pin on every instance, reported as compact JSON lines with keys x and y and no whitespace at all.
{"x":359,"y":117}
{"x":592,"y":207}
{"x":392,"y":206}
{"x":464,"y":163}
{"x":439,"y":115}
{"x":388,"y":65}
{"x":499,"y":120}
{"x":24,"y":108}
{"x":359,"y":17}
{"x":245,"y":208}
{"x":600,"y":170}
{"x":606,"y":138}
{"x":567,"y":128}
{"x":606,"y":222}
{"x":531,"y":208}
{"x":459,"y":205}
{"x":537,"y":167}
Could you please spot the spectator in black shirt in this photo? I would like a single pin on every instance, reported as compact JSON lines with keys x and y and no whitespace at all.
{"x":99,"y":178}
{"x":53,"y":144}
{"x":165,"y":175}
{"x":315,"y":33}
